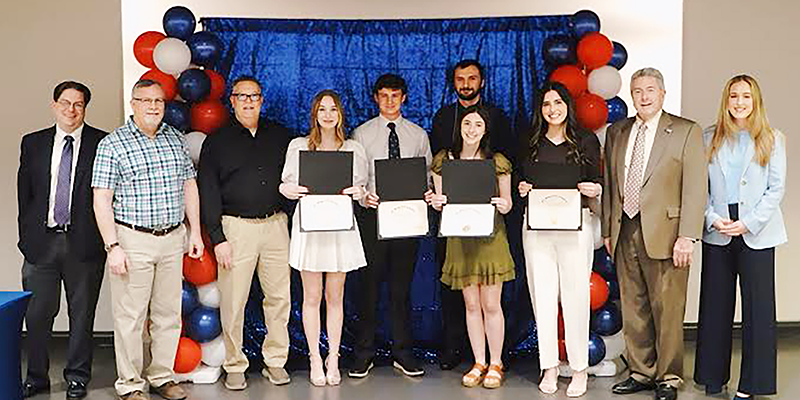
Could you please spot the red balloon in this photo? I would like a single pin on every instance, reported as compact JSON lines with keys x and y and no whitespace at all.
{"x":591,"y":110}
{"x":208,"y":116}
{"x":560,"y":323}
{"x":572,"y":77}
{"x":200,"y":271}
{"x":595,"y":50}
{"x":598,"y":291}
{"x":144,"y":45}
{"x":167,"y":81}
{"x":562,"y":350}
{"x":217,"y":85}
{"x":188,"y":356}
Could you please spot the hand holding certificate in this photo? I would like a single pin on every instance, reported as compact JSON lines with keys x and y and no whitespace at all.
{"x":401,"y":184}
{"x":326,"y":174}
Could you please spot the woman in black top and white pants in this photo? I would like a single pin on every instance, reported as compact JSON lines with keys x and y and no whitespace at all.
{"x":559,"y":263}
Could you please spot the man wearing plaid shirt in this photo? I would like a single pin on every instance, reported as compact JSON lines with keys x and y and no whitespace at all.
{"x":144,"y":183}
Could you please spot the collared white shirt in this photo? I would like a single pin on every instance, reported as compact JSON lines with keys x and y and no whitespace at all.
{"x":649,"y":138}
{"x":55,"y":162}
{"x":373,"y":135}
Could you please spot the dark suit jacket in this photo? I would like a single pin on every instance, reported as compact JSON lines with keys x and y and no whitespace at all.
{"x":33,"y":196}
{"x":674,"y":185}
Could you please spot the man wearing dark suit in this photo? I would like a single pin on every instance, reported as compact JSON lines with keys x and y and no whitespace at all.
{"x":468,"y":82}
{"x":653,"y":205}
{"x":59,"y":239}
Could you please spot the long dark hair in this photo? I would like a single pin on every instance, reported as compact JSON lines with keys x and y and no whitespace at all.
{"x":540,"y":126}
{"x":483,"y":146}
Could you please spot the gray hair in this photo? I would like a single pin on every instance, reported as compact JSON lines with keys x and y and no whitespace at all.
{"x":145,"y":83}
{"x":651,"y":72}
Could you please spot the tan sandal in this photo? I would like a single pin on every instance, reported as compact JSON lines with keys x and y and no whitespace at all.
{"x":474,"y":376}
{"x":494,"y":377}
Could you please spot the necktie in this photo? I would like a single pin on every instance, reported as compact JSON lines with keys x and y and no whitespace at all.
{"x":61,"y":207}
{"x":394,"y":142}
{"x":633,"y":180}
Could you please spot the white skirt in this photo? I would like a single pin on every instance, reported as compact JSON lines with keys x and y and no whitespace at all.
{"x":325,"y":251}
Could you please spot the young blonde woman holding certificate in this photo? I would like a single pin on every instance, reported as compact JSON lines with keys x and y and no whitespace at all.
{"x":559,"y":263}
{"x":744,"y":224}
{"x":479,"y":266}
{"x":330,"y":253}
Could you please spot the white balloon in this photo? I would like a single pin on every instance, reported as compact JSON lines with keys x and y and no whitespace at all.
{"x":605,"y":82}
{"x":615,"y":345}
{"x":172,"y":56}
{"x":194,"y":141}
{"x":213,"y":352}
{"x":208,"y":295}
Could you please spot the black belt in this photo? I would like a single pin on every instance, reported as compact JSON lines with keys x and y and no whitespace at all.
{"x":269,"y":213}
{"x":154,"y":232}
{"x":58,"y":228}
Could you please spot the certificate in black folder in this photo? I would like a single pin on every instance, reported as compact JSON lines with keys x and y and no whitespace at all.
{"x":554,"y":203}
{"x":469,"y":186}
{"x":326,"y":174}
{"x":401,"y":185}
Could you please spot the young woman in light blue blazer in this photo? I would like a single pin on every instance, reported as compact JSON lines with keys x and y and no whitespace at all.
{"x":743,"y":225}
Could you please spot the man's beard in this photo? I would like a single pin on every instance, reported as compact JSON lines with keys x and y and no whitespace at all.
{"x":468,"y":97}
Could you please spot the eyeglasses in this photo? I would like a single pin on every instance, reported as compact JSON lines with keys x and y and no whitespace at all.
{"x":150,"y":102}
{"x":67,"y":104}
{"x":244,"y":96}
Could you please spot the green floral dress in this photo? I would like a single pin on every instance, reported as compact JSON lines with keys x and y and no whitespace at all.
{"x":477,"y":261}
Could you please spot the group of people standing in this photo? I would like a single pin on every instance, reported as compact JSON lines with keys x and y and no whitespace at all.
{"x":660,"y":185}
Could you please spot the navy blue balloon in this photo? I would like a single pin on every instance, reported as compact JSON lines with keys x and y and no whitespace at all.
{"x":619,"y":57}
{"x":205,"y":47}
{"x":603,"y":265}
{"x":177,"y":114}
{"x":194,"y":85}
{"x":179,"y":22}
{"x":585,"y":21}
{"x":607,"y":320}
{"x":204,"y":324}
{"x":617,"y":109}
{"x":597,"y":349}
{"x":613,"y":290}
{"x":560,"y":50}
{"x":189,"y":301}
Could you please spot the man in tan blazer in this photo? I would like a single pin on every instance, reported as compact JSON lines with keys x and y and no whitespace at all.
{"x":656,"y":178}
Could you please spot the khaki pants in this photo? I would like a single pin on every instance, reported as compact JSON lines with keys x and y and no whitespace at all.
{"x":260,"y":245}
{"x":653,"y":295}
{"x":152,"y":284}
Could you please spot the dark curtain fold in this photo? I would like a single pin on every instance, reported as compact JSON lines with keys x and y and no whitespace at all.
{"x":295,"y":59}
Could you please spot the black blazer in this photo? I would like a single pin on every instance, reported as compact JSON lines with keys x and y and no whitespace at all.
{"x":33,"y":196}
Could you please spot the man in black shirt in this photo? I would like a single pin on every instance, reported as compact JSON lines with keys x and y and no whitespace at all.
{"x":467,"y":80}
{"x":239,"y":173}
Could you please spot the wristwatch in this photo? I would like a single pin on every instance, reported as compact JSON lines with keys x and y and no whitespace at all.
{"x":110,"y":246}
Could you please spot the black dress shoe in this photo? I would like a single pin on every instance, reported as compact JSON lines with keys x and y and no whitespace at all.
{"x":29,"y":389}
{"x":666,"y":392}
{"x":631,"y":385}
{"x":76,"y":390}
{"x":449,"y":360}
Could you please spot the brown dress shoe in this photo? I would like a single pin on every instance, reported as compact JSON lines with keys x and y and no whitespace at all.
{"x":169,"y":391}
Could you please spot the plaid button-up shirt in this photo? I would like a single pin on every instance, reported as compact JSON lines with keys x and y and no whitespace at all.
{"x":146,"y":175}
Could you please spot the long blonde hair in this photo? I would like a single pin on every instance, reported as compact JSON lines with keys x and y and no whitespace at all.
{"x":760,"y":132}
{"x":315,"y":134}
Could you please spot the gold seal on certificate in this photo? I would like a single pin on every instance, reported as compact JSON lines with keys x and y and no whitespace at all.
{"x":554,"y":210}
{"x":325,"y":213}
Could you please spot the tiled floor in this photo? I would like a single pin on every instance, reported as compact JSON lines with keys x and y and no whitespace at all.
{"x":387,"y":384}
